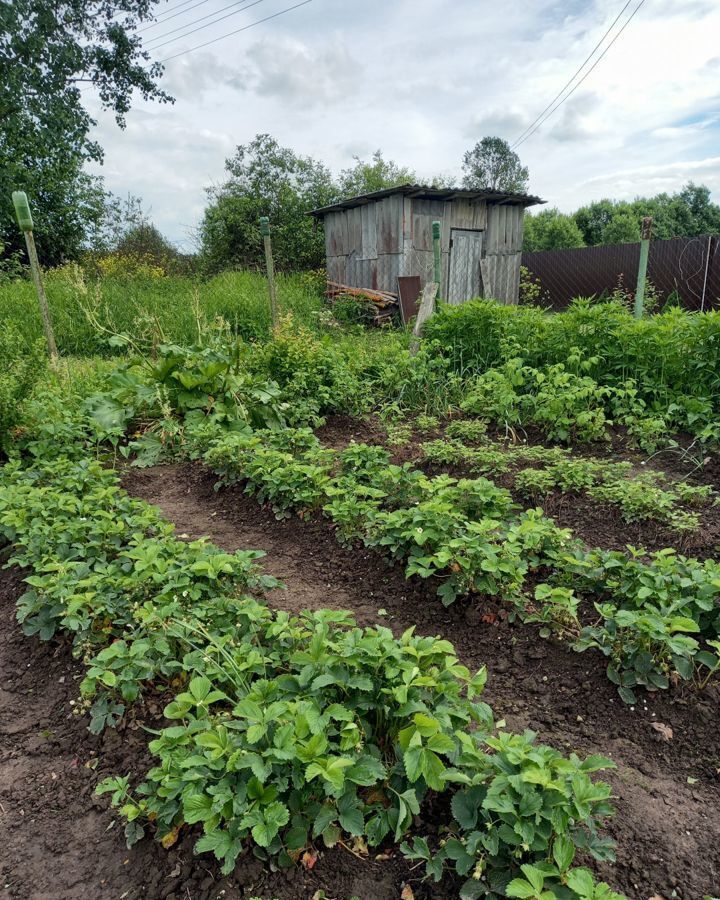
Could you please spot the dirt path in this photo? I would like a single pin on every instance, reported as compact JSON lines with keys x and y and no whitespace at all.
{"x":667,"y":825}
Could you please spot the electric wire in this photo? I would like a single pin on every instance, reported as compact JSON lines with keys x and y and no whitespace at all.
{"x":207,"y":25}
{"x":575,"y":75}
{"x":174,"y":14}
{"x":598,"y":60}
{"x":282,"y":12}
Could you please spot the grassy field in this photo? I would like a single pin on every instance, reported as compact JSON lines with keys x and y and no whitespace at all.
{"x":172,"y":308}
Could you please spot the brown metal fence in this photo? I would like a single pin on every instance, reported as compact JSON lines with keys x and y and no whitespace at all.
{"x":686,"y":267}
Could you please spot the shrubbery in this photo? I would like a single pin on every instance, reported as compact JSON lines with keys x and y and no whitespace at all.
{"x":670,"y":361}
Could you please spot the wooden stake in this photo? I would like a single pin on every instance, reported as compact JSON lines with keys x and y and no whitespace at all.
{"x":265,"y":232}
{"x":22,"y":211}
{"x":426,"y":307}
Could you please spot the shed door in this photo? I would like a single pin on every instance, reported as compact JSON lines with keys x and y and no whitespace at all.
{"x":464,"y":280}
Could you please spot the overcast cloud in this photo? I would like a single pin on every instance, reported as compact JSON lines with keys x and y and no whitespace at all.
{"x":424,"y":80}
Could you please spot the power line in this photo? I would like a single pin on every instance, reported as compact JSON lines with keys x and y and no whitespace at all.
{"x":237,"y":31}
{"x":598,"y":60}
{"x":202,"y":19}
{"x":174,"y":14}
{"x":575,"y":75}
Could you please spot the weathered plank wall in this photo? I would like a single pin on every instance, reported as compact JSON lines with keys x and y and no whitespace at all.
{"x":371,"y":245}
{"x":501,"y":275}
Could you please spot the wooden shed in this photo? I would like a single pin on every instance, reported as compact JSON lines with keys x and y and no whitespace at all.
{"x":372,"y":240}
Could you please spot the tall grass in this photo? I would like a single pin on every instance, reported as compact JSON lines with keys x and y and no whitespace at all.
{"x":86,"y":311}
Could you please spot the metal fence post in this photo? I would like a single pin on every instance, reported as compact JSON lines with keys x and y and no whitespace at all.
{"x":22,"y":211}
{"x":265,"y":232}
{"x":705,"y":278}
{"x":642,"y":266}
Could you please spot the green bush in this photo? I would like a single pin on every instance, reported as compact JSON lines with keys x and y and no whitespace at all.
{"x":672,"y":358}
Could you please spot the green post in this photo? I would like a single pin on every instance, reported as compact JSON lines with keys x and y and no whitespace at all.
{"x":24,"y":217}
{"x":265,"y":232}
{"x":437,"y":254}
{"x":642,"y":267}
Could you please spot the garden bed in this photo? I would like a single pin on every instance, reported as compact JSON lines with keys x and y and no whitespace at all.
{"x":667,"y":790}
{"x":598,"y":524}
{"x":54,"y":830}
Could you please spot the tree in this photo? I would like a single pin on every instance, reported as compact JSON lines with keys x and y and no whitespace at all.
{"x":365,"y":177}
{"x":550,"y":230}
{"x":688,"y":213}
{"x":266,"y":180}
{"x":47,"y":52}
{"x":623,"y":228}
{"x":692,"y":212}
{"x":492,"y":165}
{"x":593,"y":219}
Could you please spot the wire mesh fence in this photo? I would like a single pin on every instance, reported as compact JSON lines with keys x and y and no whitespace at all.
{"x":684,"y":270}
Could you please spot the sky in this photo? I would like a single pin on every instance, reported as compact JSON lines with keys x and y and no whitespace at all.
{"x":423,"y":80}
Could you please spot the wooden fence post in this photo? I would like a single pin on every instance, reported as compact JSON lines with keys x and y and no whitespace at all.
{"x":22,"y":211}
{"x":265,"y":232}
{"x":642,"y":267}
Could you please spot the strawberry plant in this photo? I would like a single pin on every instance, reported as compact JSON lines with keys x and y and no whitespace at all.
{"x":531,"y":809}
{"x":647,"y":648}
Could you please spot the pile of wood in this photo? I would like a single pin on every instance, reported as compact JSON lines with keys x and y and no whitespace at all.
{"x":382,"y":300}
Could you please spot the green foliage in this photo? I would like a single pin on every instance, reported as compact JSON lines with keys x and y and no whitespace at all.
{"x":286,"y":730}
{"x":273,"y":473}
{"x":527,"y":819}
{"x":645,"y":647}
{"x":375,"y":174}
{"x":45,"y":139}
{"x":492,"y":165}
{"x":473,"y":431}
{"x":314,"y":376}
{"x":192,"y":383}
{"x":640,"y":496}
{"x":688,"y":213}
{"x":465,"y":533}
{"x":266,"y":179}
{"x":566,"y":406}
{"x":623,"y":228}
{"x":23,"y":365}
{"x":550,"y":229}
{"x":662,"y":367}
{"x":651,"y":606}
{"x":87,"y":310}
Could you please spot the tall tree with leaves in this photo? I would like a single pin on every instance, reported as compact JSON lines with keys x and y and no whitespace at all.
{"x":266,"y":180}
{"x":50,"y":51}
{"x":492,"y":165}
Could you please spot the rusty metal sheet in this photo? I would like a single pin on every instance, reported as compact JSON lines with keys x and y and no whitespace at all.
{"x":409,"y":287}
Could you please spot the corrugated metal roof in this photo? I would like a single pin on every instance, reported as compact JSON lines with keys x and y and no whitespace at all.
{"x":424,"y":192}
